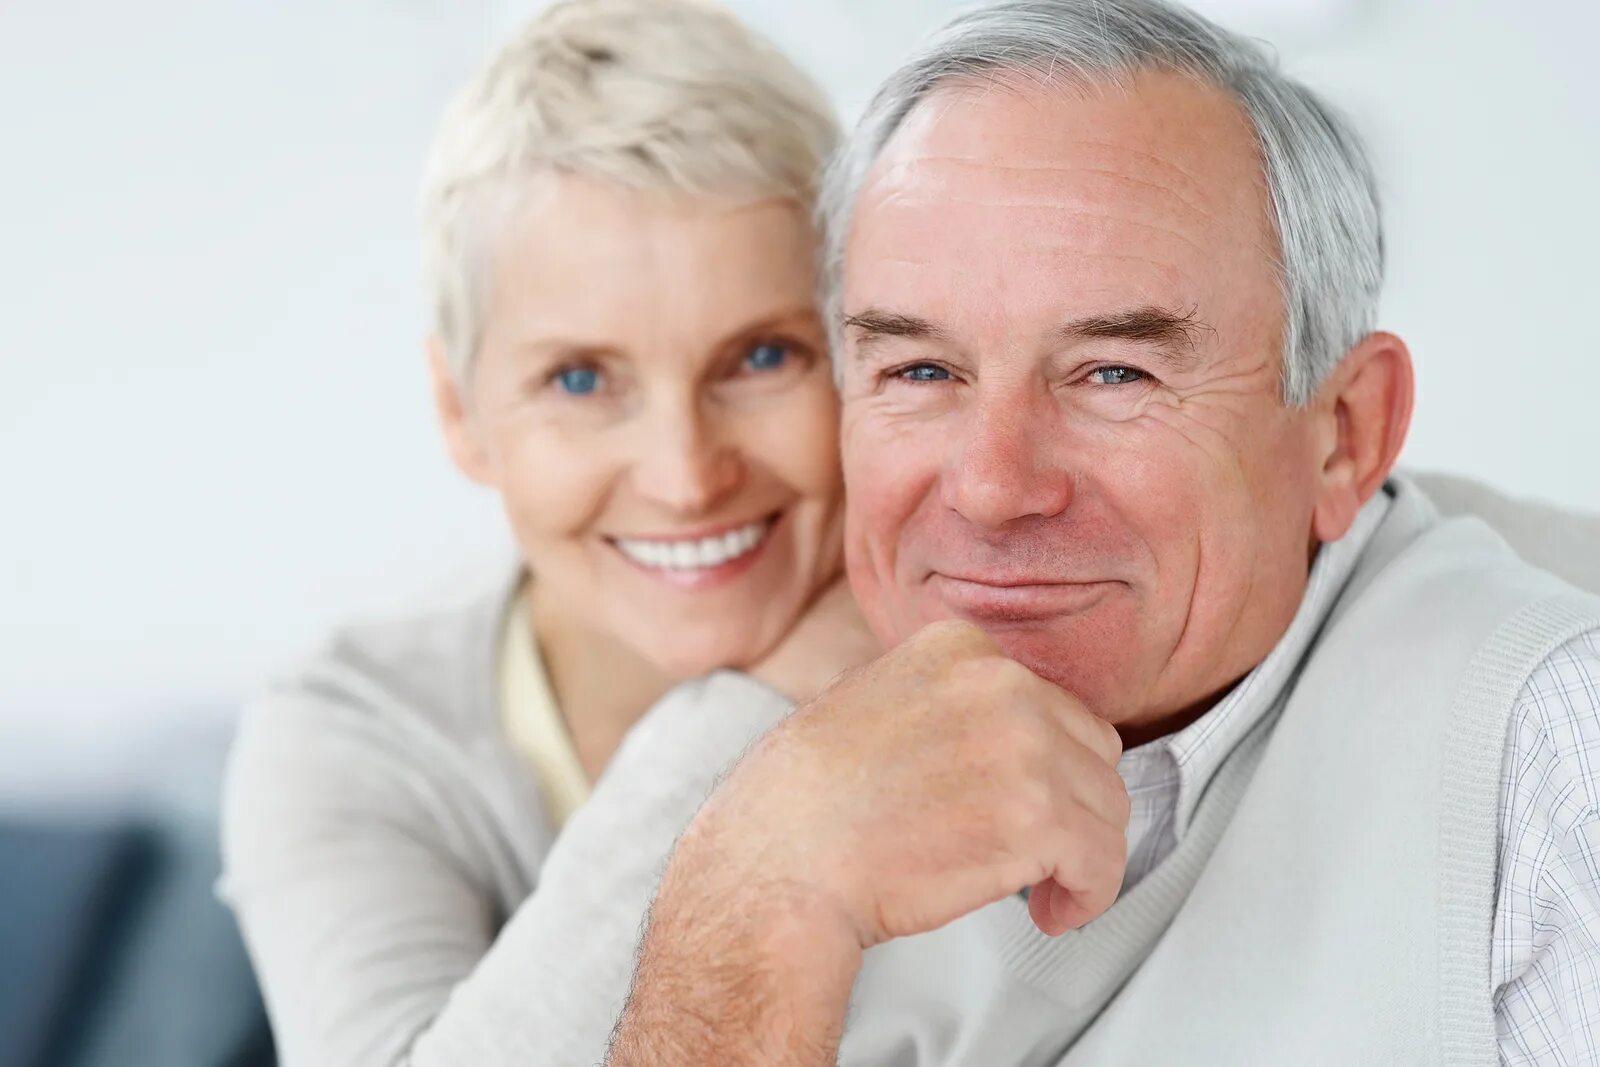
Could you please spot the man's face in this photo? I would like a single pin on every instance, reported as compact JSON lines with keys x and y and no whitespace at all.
{"x":1062,"y":406}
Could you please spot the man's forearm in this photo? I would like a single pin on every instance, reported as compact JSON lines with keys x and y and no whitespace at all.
{"x":738,"y":983}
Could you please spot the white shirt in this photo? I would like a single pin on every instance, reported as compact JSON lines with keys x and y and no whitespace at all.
{"x":533,"y":720}
{"x":1545,"y":954}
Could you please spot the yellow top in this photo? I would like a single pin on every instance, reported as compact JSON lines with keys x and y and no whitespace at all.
{"x":533,"y":720}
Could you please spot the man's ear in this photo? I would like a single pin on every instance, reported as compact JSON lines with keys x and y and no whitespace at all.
{"x":1367,"y":404}
{"x":460,"y":437}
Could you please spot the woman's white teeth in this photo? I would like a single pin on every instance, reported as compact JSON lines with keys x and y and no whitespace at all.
{"x":695,"y":555}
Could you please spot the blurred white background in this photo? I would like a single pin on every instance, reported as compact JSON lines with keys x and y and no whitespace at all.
{"x":215,"y":440}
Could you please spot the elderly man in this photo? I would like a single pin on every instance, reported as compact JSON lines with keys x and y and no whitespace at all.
{"x":1307,"y":771}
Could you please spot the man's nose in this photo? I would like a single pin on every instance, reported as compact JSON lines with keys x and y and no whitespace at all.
{"x":683,"y":463}
{"x":1004,"y":465}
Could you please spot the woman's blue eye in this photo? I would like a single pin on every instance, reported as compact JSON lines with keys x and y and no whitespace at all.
{"x":578,"y":381}
{"x":924,"y":372}
{"x":766,"y":357}
{"x":1115,"y":375}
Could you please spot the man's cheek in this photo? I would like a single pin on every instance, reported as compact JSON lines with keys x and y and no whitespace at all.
{"x":874,"y":592}
{"x":870,"y":557}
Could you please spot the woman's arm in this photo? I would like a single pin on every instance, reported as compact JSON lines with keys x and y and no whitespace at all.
{"x":351,"y":873}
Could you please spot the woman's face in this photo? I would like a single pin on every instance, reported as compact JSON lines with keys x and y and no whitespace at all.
{"x":652,"y":400}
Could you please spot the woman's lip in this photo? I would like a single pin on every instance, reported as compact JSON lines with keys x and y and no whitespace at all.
{"x":1014,"y":600}
{"x":697,"y":533}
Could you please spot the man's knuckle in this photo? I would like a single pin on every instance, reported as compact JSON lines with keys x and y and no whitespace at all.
{"x":1113,"y":738}
{"x":1106,"y":857}
{"x":1028,"y":809}
{"x":1121,"y":805}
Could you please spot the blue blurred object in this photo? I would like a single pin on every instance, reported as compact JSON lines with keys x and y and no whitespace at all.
{"x":61,"y":888}
{"x":113,"y":947}
{"x":113,"y":950}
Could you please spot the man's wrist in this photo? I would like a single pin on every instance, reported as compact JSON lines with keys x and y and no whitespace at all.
{"x":779,"y":924}
{"x":750,"y":974}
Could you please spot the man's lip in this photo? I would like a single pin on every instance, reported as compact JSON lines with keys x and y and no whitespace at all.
{"x":1008,"y":599}
{"x":1001,"y":581}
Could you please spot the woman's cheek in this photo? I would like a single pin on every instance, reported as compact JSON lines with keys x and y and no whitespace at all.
{"x":799,"y":441}
{"x":555,"y":485}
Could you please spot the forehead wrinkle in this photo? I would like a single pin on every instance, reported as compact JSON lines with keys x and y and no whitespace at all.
{"x":935,"y":202}
{"x":1164,"y":163}
{"x":942,"y":179}
{"x":959,"y":162}
{"x":1077,"y":256}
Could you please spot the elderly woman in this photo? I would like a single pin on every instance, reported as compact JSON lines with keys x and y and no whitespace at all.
{"x":441,"y":834}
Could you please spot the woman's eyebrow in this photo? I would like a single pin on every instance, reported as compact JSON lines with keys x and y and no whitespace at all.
{"x":563,"y":348}
{"x":800,"y":315}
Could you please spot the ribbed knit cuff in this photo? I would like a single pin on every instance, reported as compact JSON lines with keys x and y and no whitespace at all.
{"x":702,"y":727}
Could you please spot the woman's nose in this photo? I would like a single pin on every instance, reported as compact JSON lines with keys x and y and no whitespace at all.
{"x":687,"y":465}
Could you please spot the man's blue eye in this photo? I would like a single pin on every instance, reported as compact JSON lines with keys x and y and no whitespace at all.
{"x":925,"y":372}
{"x":1115,"y":375}
{"x":766,"y":357}
{"x":578,"y":381}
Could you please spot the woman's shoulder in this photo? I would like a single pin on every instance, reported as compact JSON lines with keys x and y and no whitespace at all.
{"x":429,"y":667}
{"x":390,"y":724}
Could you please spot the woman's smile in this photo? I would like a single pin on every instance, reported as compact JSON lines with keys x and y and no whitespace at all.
{"x":699,"y":559}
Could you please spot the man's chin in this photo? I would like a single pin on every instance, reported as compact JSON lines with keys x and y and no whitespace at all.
{"x":1075,"y":659}
{"x":1091,"y":654}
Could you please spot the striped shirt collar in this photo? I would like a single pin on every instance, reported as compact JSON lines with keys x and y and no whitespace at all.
{"x":1195,"y":752}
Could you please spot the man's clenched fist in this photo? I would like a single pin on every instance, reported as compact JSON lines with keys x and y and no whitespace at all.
{"x":929,"y":783}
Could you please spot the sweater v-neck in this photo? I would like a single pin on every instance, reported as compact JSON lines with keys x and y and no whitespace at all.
{"x":1216,"y":756}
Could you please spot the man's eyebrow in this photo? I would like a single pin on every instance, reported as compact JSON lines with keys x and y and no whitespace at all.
{"x":875,"y":323}
{"x":1174,"y":333}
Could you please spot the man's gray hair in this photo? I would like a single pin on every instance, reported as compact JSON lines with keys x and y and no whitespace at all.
{"x":1324,"y":195}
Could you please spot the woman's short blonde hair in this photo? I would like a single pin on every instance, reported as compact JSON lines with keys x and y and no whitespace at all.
{"x":656,"y":94}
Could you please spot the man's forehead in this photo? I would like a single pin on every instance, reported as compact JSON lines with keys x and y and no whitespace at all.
{"x":1159,"y":143}
{"x":1020,"y":206}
